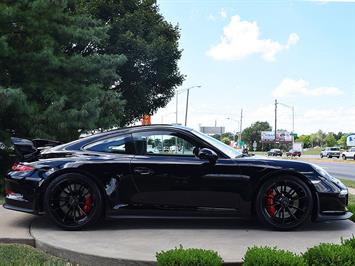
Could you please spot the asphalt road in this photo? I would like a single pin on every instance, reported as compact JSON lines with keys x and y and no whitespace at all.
{"x":339,"y":169}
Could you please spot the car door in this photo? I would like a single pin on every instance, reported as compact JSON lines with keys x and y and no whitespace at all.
{"x":168,"y":174}
{"x":112,"y":164}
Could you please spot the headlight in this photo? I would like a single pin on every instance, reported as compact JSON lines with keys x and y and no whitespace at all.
{"x":323,"y":173}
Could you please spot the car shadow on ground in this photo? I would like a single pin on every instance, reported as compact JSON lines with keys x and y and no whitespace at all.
{"x":210,"y":224}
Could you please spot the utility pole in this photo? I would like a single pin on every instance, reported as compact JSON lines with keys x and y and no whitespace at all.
{"x":177,"y":102}
{"x":275,"y":119}
{"x":187,"y":104}
{"x":241,"y":126}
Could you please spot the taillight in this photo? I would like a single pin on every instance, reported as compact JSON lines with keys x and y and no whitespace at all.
{"x":21,"y":168}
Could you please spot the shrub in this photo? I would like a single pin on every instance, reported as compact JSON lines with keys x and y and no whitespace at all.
{"x":6,"y":159}
{"x":267,"y":256}
{"x":351,"y":208}
{"x":331,"y":255}
{"x":188,"y":257}
{"x":349,"y":242}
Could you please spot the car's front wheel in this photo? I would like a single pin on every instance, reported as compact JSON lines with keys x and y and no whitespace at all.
{"x":73,"y":201}
{"x":284,"y":202}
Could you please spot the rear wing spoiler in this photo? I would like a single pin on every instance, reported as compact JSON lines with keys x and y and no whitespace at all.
{"x":29,"y":150}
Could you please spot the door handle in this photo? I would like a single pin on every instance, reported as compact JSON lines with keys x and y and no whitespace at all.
{"x":143,"y":171}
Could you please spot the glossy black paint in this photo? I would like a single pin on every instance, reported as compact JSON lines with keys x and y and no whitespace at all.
{"x":154,"y":185}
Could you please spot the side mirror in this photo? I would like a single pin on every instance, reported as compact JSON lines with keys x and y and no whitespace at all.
{"x":208,"y":154}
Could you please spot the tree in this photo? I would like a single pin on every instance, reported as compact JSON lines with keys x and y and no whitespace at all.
{"x":150,"y":74}
{"x":306,"y":140}
{"x":54,"y":71}
{"x":226,"y":140}
{"x":253,"y":133}
{"x":342,"y":141}
{"x":330,"y":139}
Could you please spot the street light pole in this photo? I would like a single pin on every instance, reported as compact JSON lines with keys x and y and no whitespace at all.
{"x":187,"y":105}
{"x":293,"y":118}
{"x":177,"y":101}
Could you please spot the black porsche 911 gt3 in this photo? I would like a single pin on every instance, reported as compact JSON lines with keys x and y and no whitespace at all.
{"x":166,"y":171}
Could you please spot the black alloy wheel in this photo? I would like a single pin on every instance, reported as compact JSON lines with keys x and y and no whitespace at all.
{"x":73,"y":201}
{"x":284,"y":203}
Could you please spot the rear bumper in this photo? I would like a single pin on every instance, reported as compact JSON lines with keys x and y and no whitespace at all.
{"x":22,"y":195}
{"x":17,"y":208}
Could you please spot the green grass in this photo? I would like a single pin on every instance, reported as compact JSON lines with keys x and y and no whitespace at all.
{"x":14,"y":254}
{"x":2,"y":200}
{"x":348,"y":183}
{"x":312,"y":151}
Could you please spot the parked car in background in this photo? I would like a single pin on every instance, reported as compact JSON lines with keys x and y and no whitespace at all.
{"x":349,"y":154}
{"x":274,"y":152}
{"x":293,"y":153}
{"x":330,"y":152}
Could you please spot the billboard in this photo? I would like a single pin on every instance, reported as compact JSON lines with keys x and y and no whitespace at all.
{"x":281,"y":136}
{"x":212,"y":130}
{"x":350,"y":140}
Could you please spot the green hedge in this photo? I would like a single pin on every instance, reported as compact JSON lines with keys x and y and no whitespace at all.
{"x":351,"y":208}
{"x":188,"y":257}
{"x":7,"y":158}
{"x":323,"y":254}
{"x":266,"y":256}
{"x":330,"y":255}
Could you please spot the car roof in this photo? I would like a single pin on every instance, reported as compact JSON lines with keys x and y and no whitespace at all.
{"x":124,"y":130}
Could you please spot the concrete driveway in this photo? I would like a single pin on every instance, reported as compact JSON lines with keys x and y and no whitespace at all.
{"x":132,"y":241}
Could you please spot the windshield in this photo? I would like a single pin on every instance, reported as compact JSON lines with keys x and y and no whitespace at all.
{"x":334,"y":149}
{"x":228,"y":150}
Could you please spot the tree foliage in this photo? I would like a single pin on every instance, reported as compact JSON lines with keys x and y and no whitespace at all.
{"x":72,"y":66}
{"x":253,"y":133}
{"x":53,"y":63}
{"x":150,"y":74}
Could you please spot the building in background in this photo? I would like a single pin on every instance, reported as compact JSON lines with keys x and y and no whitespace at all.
{"x":212,"y":130}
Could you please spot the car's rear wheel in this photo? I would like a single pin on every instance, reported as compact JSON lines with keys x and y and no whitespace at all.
{"x":343,"y":157}
{"x":73,"y":201}
{"x":284,"y":202}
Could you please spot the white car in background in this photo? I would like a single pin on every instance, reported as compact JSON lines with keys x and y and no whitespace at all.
{"x":349,"y":154}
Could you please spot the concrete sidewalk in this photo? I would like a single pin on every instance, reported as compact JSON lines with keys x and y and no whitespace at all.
{"x":15,"y":227}
{"x":136,"y":241}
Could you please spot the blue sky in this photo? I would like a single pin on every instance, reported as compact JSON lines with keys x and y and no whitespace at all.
{"x":245,"y":54}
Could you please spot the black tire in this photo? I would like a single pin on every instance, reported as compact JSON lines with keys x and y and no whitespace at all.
{"x":321,"y":155}
{"x":73,"y":201}
{"x":343,"y":157}
{"x":291,"y":205}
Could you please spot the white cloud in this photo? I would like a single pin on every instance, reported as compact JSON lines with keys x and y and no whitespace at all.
{"x":338,"y":1}
{"x":223,"y":13}
{"x":291,"y":87}
{"x":241,"y":39}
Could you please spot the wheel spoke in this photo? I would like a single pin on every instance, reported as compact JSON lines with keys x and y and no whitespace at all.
{"x":291,"y":213}
{"x":294,"y":207}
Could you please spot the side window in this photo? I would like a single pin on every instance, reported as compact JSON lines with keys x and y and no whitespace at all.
{"x":119,"y":144}
{"x":162,"y":143}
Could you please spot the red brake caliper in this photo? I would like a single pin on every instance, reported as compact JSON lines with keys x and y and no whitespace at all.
{"x":88,"y":204}
{"x":270,"y":200}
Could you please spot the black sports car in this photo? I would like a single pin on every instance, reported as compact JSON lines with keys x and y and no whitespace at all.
{"x":166,"y":171}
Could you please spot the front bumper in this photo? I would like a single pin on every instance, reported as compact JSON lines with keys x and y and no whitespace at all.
{"x":333,"y":206}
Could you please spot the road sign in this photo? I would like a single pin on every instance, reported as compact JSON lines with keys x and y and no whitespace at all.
{"x":255,"y":144}
{"x":350,"y":140}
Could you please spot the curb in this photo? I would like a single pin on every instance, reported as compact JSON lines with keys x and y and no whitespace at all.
{"x":24,"y":241}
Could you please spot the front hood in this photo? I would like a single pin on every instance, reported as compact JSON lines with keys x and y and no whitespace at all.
{"x":299,"y":166}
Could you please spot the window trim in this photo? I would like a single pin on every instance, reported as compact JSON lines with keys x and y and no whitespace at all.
{"x":129,"y":136}
{"x":164,"y":132}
